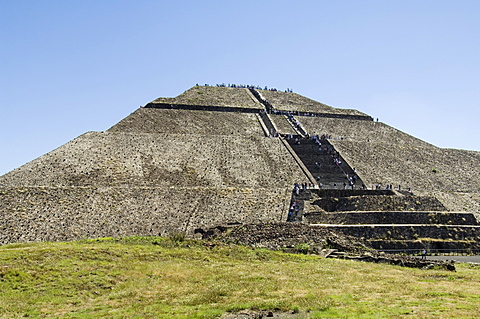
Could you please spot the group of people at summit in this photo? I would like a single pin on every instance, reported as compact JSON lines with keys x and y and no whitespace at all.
{"x":246,"y":86}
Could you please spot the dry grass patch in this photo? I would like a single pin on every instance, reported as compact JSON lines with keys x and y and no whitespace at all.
{"x":165,"y":278}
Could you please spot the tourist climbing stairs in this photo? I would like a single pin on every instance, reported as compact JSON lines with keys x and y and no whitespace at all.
{"x":297,"y":127}
{"x":269,"y":125}
{"x":320,"y":160}
{"x":265,"y":103}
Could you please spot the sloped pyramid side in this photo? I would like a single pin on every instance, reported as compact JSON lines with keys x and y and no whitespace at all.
{"x":192,"y":122}
{"x":384,"y":155}
{"x":213,"y":96}
{"x":164,"y":170}
{"x":101,"y":159}
{"x":288,"y":101}
{"x":130,"y":182}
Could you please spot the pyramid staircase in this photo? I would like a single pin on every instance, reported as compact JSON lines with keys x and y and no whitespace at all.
{"x":319,"y":159}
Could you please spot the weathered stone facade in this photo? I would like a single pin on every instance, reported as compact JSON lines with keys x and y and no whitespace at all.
{"x":213,"y":156}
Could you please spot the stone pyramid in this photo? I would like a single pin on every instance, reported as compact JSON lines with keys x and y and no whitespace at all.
{"x":220,"y":156}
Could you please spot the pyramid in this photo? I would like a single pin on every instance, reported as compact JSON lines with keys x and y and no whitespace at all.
{"x":218,"y":155}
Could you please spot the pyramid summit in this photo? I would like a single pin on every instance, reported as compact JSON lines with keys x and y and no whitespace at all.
{"x":217,"y":155}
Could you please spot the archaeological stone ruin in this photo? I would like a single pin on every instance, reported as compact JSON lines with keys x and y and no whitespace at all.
{"x":218,"y":156}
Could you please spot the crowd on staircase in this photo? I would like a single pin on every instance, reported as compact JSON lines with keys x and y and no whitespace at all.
{"x":294,"y":212}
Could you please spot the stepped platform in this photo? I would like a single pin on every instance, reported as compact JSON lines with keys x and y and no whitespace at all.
{"x":377,"y":203}
{"x":392,"y":217}
{"x":446,"y":173}
{"x":391,"y":221}
{"x":384,"y":155}
{"x":431,"y":245}
{"x":407,"y":238}
{"x":341,"y":193}
{"x":396,"y":232}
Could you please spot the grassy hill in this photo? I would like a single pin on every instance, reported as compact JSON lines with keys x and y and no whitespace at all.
{"x":153,"y":277}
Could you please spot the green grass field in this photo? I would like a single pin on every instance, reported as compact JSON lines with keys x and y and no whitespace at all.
{"x":154,"y":277}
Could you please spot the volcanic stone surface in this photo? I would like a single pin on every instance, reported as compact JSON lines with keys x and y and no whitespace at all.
{"x":69,"y":213}
{"x":214,"y":96}
{"x":295,"y":102}
{"x":209,"y":162}
{"x":146,"y":159}
{"x":195,"y":122}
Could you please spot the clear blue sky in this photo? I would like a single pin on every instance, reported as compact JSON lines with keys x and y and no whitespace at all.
{"x":68,"y":67}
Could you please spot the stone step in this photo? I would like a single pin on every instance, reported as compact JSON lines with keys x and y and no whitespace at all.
{"x":327,"y":252}
{"x":392,"y":217}
{"x":332,"y":253}
{"x":376,"y":203}
{"x":430,"y":244}
{"x":407,"y":232}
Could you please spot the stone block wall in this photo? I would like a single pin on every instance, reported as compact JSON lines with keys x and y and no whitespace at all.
{"x":377,"y":203}
{"x":409,"y":232}
{"x":392,"y":217}
{"x":161,"y":121}
{"x":99,"y":159}
{"x":71,"y":213}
